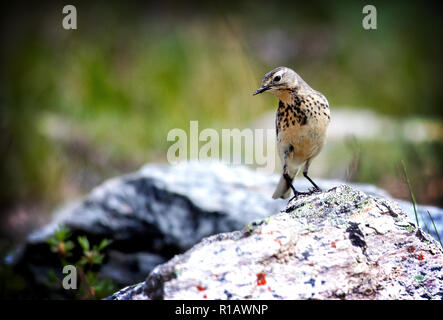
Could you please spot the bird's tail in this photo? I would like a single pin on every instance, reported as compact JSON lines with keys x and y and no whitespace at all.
{"x":282,"y":190}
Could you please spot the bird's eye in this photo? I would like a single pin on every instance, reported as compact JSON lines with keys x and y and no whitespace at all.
{"x":277,"y":78}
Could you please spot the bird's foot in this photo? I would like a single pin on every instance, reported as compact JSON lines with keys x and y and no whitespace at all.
{"x":314,"y":190}
{"x":294,"y":197}
{"x":297,"y":194}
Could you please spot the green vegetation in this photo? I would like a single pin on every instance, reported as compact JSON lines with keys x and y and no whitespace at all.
{"x":379,"y":162}
{"x":435,"y":228}
{"x":414,"y":204}
{"x":90,"y":285}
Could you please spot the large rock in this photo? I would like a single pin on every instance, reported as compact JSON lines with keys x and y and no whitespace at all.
{"x":155,"y":213}
{"x":160,"y":211}
{"x":340,"y":244}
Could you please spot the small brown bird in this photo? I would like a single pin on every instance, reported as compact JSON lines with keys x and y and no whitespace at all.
{"x":301,"y":123}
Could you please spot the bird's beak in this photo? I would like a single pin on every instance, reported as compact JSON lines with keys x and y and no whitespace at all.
{"x":260,"y":90}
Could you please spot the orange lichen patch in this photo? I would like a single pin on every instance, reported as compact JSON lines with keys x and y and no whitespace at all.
{"x":411,"y":248}
{"x":420,"y":257}
{"x":205,"y":296}
{"x":333,"y":244}
{"x":200,"y":288}
{"x":261,"y":278}
{"x":361,"y":213}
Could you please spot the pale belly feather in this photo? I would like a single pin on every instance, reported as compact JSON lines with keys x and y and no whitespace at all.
{"x":306,"y":140}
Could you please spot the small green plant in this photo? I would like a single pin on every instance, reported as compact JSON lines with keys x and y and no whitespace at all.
{"x":59,"y":243}
{"x":91,"y":285}
{"x":414,"y":204}
{"x":435,"y":228}
{"x":94,"y":255}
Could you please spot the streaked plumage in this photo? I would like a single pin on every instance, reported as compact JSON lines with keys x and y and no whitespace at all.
{"x":302,"y":120}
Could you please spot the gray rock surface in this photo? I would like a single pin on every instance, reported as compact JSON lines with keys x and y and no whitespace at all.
{"x":160,"y":211}
{"x":155,"y":213}
{"x":339,"y":244}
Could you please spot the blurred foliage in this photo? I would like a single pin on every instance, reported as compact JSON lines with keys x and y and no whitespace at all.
{"x":80,"y":106}
{"x":379,"y":162}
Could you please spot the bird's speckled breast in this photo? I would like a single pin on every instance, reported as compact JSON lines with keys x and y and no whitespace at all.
{"x":302,"y":124}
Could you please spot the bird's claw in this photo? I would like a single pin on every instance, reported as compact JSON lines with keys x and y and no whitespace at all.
{"x":296,"y":195}
{"x":309,"y":192}
{"x":314,"y":190}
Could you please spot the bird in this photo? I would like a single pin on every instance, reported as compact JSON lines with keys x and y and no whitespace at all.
{"x":302,"y":121}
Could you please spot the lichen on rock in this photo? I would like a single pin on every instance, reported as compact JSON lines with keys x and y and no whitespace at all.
{"x":338,"y":244}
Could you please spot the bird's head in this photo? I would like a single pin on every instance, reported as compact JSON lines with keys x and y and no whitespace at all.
{"x":278,"y":80}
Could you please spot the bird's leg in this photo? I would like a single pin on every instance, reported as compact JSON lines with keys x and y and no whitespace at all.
{"x":288,"y":179}
{"x":305,"y":174}
{"x":289,"y":182}
{"x":316,"y":188}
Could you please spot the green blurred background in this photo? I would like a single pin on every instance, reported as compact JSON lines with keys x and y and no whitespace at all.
{"x":84,"y":105}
